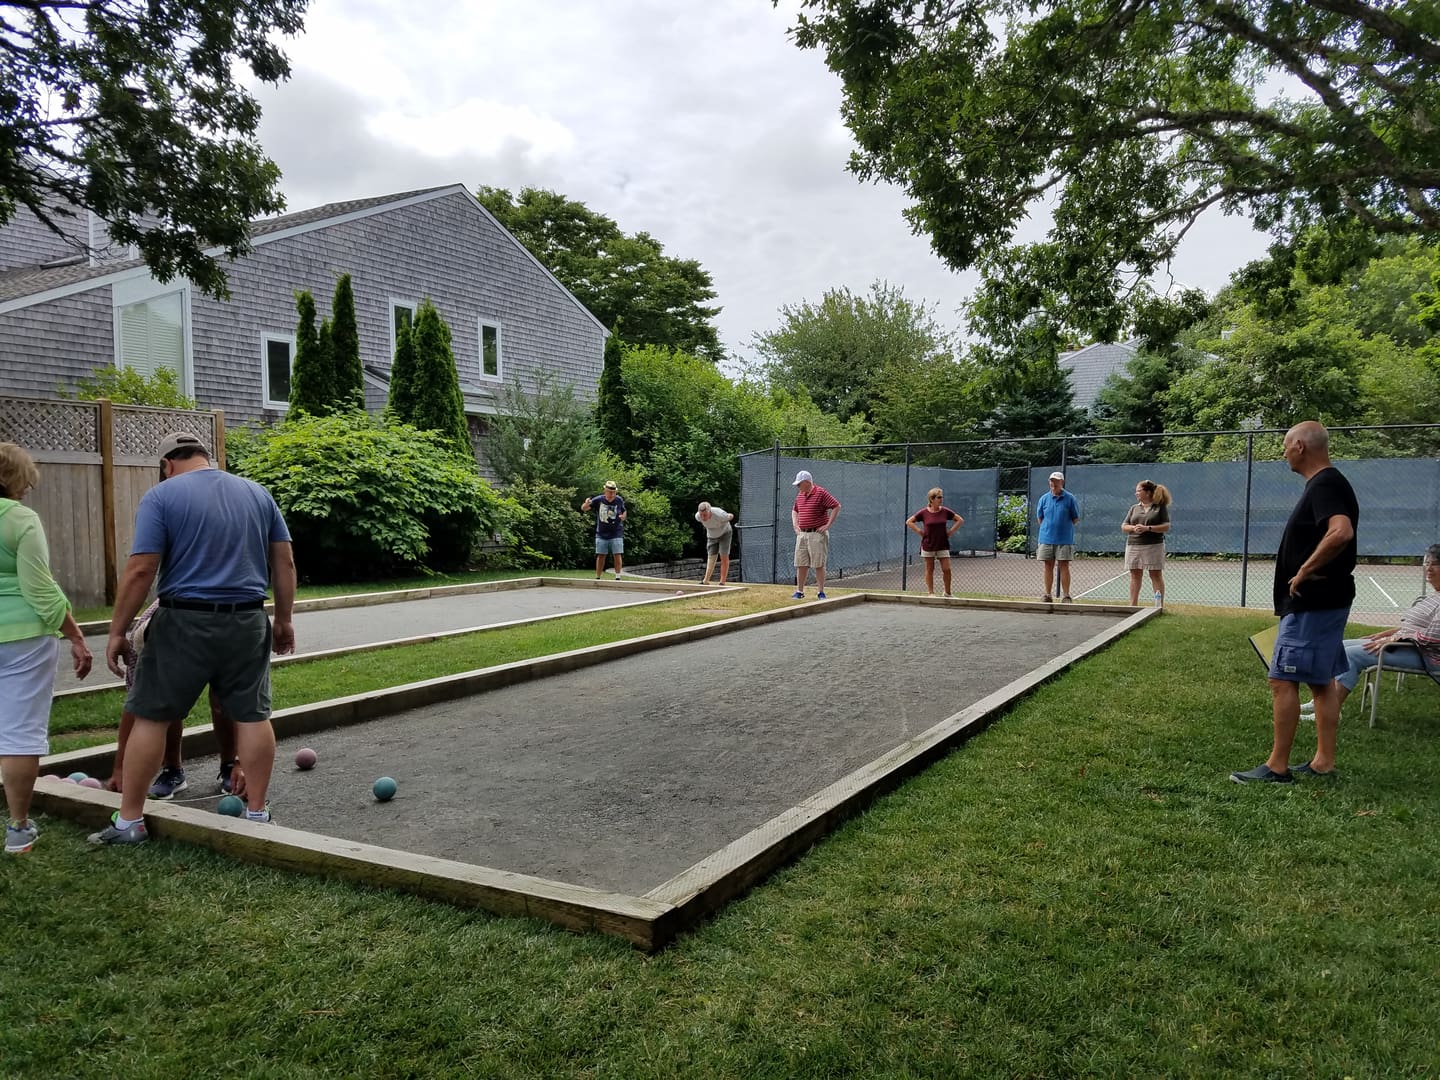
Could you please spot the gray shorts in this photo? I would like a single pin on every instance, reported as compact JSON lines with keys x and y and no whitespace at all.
{"x":719,"y":545}
{"x":187,"y":650}
{"x":1055,"y":552}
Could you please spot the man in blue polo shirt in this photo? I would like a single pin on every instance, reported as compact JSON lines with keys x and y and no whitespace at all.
{"x":1058,"y":513}
{"x":215,"y":540}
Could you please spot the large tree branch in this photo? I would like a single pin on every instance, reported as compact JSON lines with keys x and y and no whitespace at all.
{"x":1406,"y":39}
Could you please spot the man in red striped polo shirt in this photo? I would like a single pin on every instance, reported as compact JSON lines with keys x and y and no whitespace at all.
{"x":815,"y":510}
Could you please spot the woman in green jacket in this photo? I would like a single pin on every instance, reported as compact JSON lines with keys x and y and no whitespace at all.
{"x":33,"y":611}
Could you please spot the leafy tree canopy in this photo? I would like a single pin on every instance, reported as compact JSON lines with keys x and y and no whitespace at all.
{"x":626,"y":279}
{"x":839,"y":351}
{"x":1130,"y":120}
{"x":126,"y":386}
{"x":139,"y":113}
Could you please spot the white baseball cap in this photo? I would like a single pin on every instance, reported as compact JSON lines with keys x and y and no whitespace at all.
{"x":801,"y":477}
{"x":1058,"y":476}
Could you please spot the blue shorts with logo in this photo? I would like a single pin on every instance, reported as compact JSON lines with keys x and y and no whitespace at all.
{"x":1310,"y":647}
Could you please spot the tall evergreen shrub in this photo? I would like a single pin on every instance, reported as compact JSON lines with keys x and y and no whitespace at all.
{"x":438,"y":404}
{"x":312,"y":375}
{"x":345,"y":347}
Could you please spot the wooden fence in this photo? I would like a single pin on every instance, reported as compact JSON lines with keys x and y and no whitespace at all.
{"x":96,"y":460}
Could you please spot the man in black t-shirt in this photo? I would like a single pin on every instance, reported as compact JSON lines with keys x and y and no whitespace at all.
{"x":1314,"y":588}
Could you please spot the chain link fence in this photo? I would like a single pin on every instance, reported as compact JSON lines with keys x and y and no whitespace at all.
{"x":1232,"y":495}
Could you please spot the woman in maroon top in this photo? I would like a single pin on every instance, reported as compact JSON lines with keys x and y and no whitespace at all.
{"x":930,"y":524}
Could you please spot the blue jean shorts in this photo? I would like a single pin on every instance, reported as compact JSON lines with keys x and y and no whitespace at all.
{"x":1310,"y":647}
{"x":609,"y":547}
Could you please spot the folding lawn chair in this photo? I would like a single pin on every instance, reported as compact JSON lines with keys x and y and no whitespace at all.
{"x":1370,"y":682}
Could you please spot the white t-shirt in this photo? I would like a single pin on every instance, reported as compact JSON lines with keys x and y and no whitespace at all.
{"x":718,"y":523}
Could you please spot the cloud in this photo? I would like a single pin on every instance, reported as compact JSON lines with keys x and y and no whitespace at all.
{"x":697,"y":121}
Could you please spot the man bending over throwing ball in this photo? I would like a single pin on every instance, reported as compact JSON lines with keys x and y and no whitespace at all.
{"x":214,"y":539}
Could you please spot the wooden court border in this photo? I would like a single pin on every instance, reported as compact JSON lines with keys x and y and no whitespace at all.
{"x":649,"y":922}
{"x":330,"y":603}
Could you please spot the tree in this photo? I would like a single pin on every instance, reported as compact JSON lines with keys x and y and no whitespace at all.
{"x":312,"y":377}
{"x":840,"y":350}
{"x":126,"y":386}
{"x":438,"y":403}
{"x":345,"y":348}
{"x":140,"y":114}
{"x":939,"y":401}
{"x":405,"y":391}
{"x":1132,"y":119}
{"x":629,"y":280}
{"x":544,"y":437}
{"x":612,"y":411}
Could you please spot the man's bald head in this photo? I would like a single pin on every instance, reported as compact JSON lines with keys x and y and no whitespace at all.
{"x":1307,"y":448}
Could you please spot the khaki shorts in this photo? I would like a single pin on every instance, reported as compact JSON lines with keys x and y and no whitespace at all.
{"x":812,"y":549}
{"x":1055,"y":552}
{"x":719,"y":545}
{"x":1144,"y":556}
{"x":943,"y":553}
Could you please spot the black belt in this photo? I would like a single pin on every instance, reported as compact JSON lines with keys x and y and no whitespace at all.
{"x":809,"y":530}
{"x":206,"y":605}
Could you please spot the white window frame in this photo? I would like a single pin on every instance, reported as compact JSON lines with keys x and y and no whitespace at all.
{"x":138,"y":290}
{"x":499,"y":375}
{"x":411,"y":306}
{"x":268,"y":400}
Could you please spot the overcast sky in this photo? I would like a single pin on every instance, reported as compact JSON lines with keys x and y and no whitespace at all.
{"x":697,"y":121}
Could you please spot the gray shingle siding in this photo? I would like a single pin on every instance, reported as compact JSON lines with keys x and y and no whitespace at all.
{"x":56,"y":342}
{"x":25,"y":240}
{"x":444,"y":247}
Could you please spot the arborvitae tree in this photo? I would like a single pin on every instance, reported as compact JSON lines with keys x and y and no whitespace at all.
{"x":345,"y":347}
{"x":439,"y":404}
{"x":312,"y":375}
{"x":612,"y":410}
{"x":404,"y":389}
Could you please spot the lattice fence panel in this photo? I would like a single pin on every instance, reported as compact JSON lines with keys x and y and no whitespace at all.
{"x":138,"y":431}
{"x":40,"y":425}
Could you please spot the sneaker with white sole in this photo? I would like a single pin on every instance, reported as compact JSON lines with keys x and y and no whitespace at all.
{"x":223,"y":779}
{"x":1307,"y":708}
{"x":20,"y":837}
{"x":820,"y":595}
{"x":170,"y":780}
{"x":110,"y":835}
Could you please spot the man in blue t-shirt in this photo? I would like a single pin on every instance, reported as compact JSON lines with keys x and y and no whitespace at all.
{"x":215,"y":541}
{"x":609,"y":526}
{"x":1058,"y":514}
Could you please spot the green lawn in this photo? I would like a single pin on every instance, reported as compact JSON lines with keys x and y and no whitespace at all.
{"x":1077,"y":891}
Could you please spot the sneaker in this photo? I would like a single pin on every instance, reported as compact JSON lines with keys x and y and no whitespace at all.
{"x":797,"y":596}
{"x":1307,"y":708}
{"x":170,"y":780}
{"x":820,"y":595}
{"x":20,"y":838}
{"x":268,"y":819}
{"x":136,"y":834}
{"x":1066,"y":600}
{"x":1046,"y":599}
{"x":1262,"y":774}
{"x":224,"y":778}
{"x":949,"y":596}
{"x":1304,"y":769}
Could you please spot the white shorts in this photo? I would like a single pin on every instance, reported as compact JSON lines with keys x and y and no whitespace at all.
{"x":27,"y":683}
{"x":943,"y":553}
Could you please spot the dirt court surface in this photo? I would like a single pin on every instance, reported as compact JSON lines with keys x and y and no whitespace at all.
{"x":622,"y":775}
{"x":335,"y":628}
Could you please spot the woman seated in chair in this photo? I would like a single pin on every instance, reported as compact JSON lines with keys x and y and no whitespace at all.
{"x":1419,"y":631}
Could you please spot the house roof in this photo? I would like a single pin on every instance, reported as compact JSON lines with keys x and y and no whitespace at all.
{"x":32,"y":285}
{"x":1090,"y":367}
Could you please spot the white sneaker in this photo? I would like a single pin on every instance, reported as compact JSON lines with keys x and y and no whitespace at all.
{"x":1307,"y":708}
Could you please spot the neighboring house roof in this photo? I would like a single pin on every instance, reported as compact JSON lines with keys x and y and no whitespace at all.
{"x":24,"y":287}
{"x":1090,"y":367}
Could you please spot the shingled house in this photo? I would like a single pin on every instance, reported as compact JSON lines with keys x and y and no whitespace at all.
{"x":63,"y":313}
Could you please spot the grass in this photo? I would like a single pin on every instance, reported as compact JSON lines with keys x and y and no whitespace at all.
{"x":1077,"y":891}
{"x":423,"y":581}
